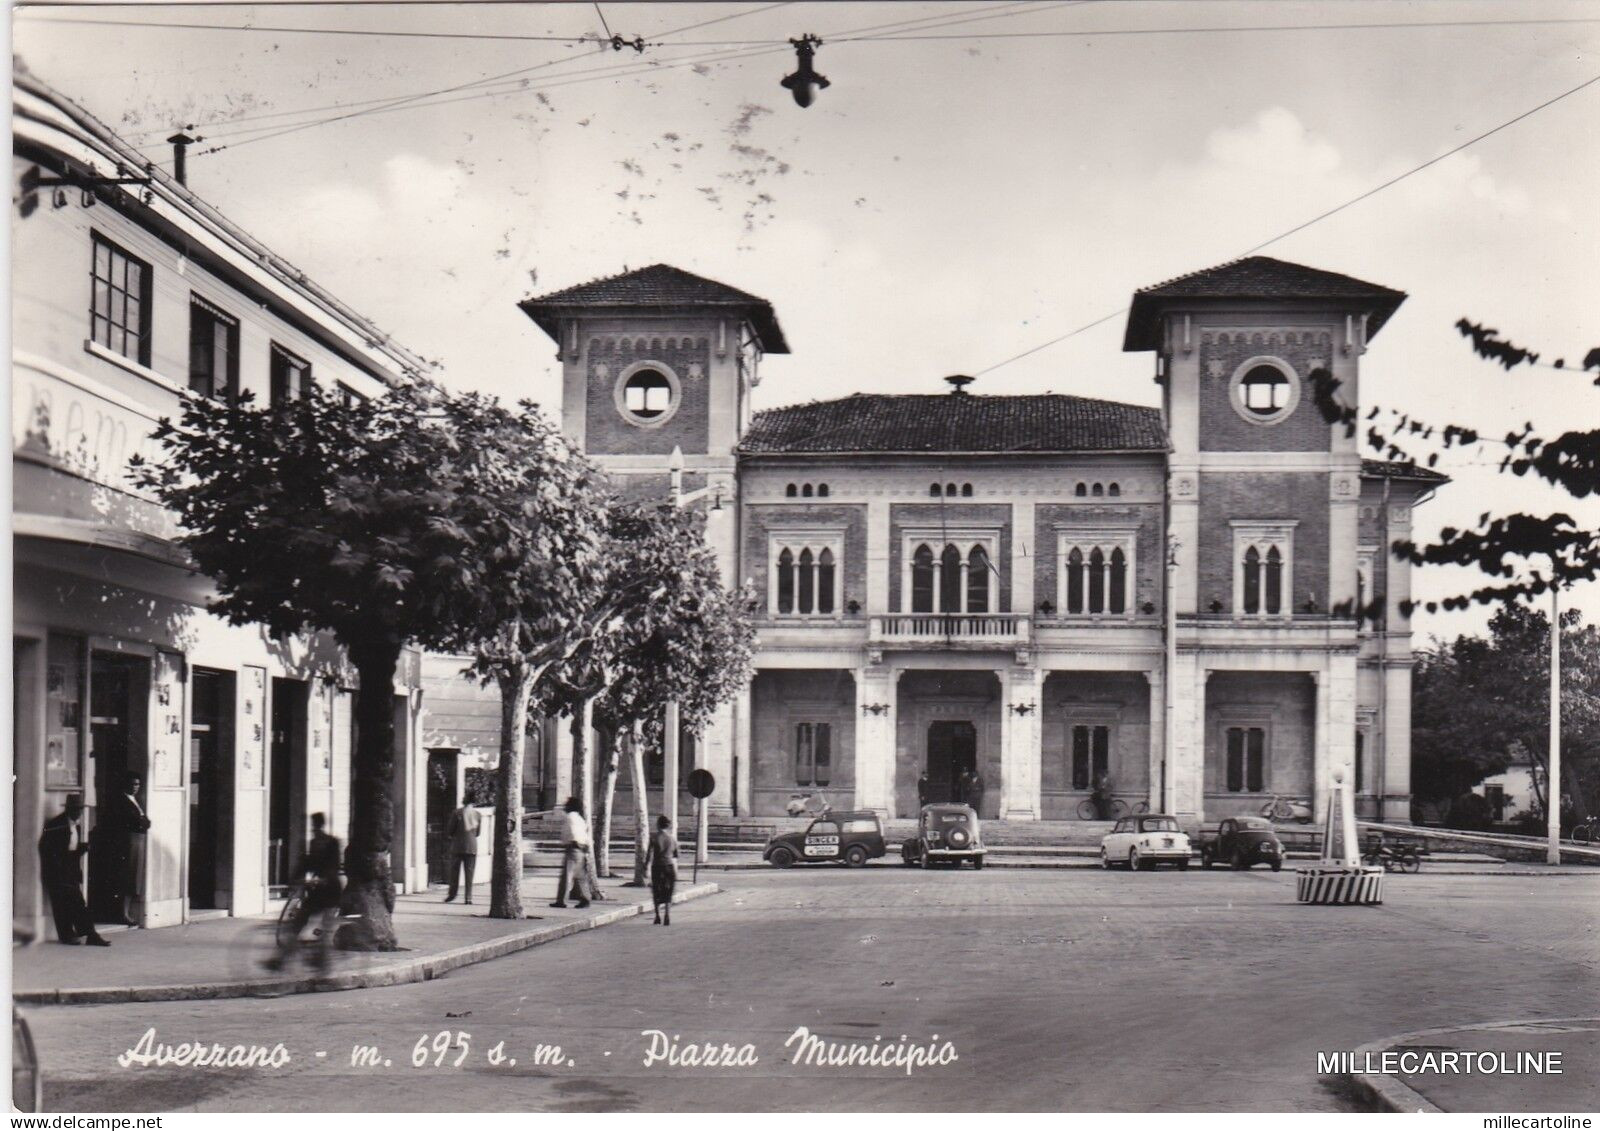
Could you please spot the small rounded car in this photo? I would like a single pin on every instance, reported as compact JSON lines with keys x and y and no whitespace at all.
{"x":946,"y":834}
{"x":1242,"y":842}
{"x":850,"y":838}
{"x":1144,"y":841}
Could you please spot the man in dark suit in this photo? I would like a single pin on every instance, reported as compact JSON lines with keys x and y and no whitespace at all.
{"x":463,"y":831}
{"x":61,"y":849}
{"x":975,"y":791}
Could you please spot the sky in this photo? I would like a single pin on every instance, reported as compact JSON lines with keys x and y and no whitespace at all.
{"x":977,"y":181}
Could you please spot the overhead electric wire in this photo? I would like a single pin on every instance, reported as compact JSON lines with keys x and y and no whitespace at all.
{"x":379,"y":106}
{"x":1321,"y":216}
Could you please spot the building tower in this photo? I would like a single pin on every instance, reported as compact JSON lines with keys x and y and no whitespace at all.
{"x":1270,"y":507}
{"x":655,"y":361}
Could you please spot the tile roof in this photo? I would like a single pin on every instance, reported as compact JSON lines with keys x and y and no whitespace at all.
{"x":956,"y":422}
{"x":1393,"y":469}
{"x":659,"y":285}
{"x":1256,"y":277}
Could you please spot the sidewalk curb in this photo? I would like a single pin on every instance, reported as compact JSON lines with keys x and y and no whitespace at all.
{"x":1393,"y":1094}
{"x":421,"y":969}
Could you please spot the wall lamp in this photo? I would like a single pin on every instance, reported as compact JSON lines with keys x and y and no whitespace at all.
{"x":1023,"y":708}
{"x":1047,"y":607}
{"x":874,"y":708}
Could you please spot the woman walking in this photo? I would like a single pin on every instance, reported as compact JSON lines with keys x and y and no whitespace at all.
{"x":662,"y":857}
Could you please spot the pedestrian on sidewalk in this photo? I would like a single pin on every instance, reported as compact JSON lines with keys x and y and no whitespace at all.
{"x":61,"y":849}
{"x":574,"y":856}
{"x":922,"y":789}
{"x":662,"y":858}
{"x":463,"y":829}
{"x":123,"y":823}
{"x":323,"y":888}
{"x":975,"y":789}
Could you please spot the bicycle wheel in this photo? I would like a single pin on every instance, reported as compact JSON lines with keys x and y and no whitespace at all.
{"x":283,"y":932}
{"x":1411,"y":863}
{"x":1086,"y":810}
{"x":1118,"y":809}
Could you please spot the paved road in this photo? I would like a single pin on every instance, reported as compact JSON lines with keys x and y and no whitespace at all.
{"x":1057,"y":990}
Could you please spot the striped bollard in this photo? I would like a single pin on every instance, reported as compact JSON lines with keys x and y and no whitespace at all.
{"x":1343,"y":880}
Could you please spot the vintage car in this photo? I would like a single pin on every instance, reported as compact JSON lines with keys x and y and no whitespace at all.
{"x":835,"y":838}
{"x":1144,"y":841}
{"x":1242,"y":842}
{"x":946,"y":833}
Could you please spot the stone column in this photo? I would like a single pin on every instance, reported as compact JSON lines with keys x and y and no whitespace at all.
{"x":743,"y":743}
{"x":1341,"y":701}
{"x":1393,"y":781}
{"x":1021,"y":762}
{"x":1187,"y":760}
{"x":1155,"y":683}
{"x":1320,"y":752}
{"x":715,"y":753}
{"x":874,"y":721}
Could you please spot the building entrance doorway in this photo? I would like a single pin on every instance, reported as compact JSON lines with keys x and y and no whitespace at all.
{"x":118,"y":715}
{"x":286,"y":809}
{"x":441,"y":803}
{"x":952,"y":754}
{"x":210,"y":789}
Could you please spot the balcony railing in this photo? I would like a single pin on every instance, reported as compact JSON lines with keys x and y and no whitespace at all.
{"x":949,"y":628}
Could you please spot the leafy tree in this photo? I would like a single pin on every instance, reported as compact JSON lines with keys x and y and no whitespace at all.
{"x":1477,"y":703}
{"x":537,"y":515}
{"x":376,"y":521}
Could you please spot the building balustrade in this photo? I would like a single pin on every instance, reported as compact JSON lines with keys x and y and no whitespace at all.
{"x":952,"y":628}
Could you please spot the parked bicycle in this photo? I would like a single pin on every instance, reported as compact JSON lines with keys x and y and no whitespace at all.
{"x":1109,"y":809}
{"x":1392,"y":858}
{"x":1587,"y":831}
{"x":1288,"y":809}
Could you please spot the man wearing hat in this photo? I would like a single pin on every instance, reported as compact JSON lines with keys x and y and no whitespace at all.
{"x":61,"y":849}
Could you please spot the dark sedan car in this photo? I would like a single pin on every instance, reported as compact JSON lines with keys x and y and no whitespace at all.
{"x":946,"y":834}
{"x":847,"y":838}
{"x":1242,"y":842}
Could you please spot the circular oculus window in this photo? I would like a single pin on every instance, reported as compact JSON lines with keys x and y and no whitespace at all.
{"x":1264,"y":390}
{"x":647,"y":394}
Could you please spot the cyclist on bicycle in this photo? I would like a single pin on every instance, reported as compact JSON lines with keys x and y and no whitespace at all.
{"x":320,"y":894}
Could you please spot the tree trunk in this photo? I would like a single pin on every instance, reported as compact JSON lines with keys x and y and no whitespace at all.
{"x":605,"y":804}
{"x":582,"y":715}
{"x":641,"y":805}
{"x":369,"y":891}
{"x":505,"y":892}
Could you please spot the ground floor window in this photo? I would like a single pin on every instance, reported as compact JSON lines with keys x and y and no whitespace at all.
{"x":1091,"y":755}
{"x":1361,"y":780}
{"x":1247,"y":748}
{"x":813,"y":753}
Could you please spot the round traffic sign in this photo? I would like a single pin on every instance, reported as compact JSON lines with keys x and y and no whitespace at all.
{"x":701,"y":783}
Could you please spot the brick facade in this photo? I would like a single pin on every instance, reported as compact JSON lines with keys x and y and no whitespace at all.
{"x":1148,"y":555}
{"x":924,"y":516}
{"x":1302,"y":496}
{"x":688,"y":356}
{"x":762,"y":521}
{"x":1222,"y":429}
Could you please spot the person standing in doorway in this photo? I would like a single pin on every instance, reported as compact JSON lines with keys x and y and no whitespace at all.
{"x":463,"y":829}
{"x":662,"y":859}
{"x":975,"y":789}
{"x":922,"y":789}
{"x":574,"y":856}
{"x":124,"y":825}
{"x":61,"y":849}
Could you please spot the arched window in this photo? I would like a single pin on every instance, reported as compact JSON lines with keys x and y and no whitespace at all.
{"x":808,"y":580}
{"x":805,"y":492}
{"x":922,"y":580}
{"x":950,"y":580}
{"x":786,"y":582}
{"x":791,"y":491}
{"x":1097,"y":581}
{"x":1252,"y":580}
{"x":966,"y":490}
{"x":1118,"y":601}
{"x":934,"y":490}
{"x":1075,"y":580}
{"x":950,"y":490}
{"x":825,"y":581}
{"x":822,"y":490}
{"x":977,"y":580}
{"x":1115,"y":490}
{"x":1081,"y":491}
{"x":1274,"y":586}
{"x":1099,"y":490}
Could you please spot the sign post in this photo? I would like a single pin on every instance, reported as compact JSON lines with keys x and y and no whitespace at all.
{"x":700,"y":783}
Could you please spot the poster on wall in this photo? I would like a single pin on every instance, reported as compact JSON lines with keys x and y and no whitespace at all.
{"x":252,"y":729}
{"x":166,"y":753}
{"x":63,"y":765}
